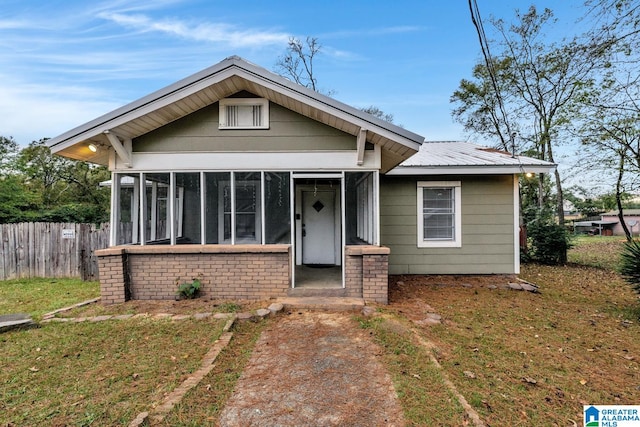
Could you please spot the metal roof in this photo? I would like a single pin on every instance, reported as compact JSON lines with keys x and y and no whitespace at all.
{"x":226,"y":78}
{"x":457,"y":157}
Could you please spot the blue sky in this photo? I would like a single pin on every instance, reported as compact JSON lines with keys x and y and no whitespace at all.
{"x":65,"y":62}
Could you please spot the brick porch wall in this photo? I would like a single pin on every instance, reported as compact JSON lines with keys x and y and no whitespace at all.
{"x":224,"y":271}
{"x":367,"y":268}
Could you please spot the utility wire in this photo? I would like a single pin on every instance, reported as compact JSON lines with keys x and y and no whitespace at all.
{"x":486,"y":53}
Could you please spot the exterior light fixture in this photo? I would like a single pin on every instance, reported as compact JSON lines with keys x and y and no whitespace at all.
{"x":529,"y":174}
{"x":93,"y":148}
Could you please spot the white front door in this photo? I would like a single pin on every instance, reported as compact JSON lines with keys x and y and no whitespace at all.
{"x":318,"y":227}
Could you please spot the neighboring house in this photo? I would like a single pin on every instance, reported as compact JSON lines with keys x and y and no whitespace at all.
{"x":262,"y":188}
{"x":631,"y":218}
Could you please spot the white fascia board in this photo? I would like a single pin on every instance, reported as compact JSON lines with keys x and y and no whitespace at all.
{"x":470,"y":170}
{"x":239,"y":161}
{"x":134,"y":110}
{"x":317,"y":100}
{"x":361,"y":123}
{"x":213,"y":75}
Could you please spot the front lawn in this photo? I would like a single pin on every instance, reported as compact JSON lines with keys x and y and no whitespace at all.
{"x":523,"y":358}
{"x":97,"y":373}
{"x":38,"y":296}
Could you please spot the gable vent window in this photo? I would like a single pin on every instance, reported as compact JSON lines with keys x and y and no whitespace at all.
{"x":244,"y":113}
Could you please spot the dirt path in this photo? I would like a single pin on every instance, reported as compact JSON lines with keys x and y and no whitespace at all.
{"x":317,"y":369}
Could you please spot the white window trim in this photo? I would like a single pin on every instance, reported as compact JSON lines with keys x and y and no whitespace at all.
{"x":264,"y":110}
{"x":457,"y":241}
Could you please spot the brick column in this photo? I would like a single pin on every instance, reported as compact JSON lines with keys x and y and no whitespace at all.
{"x":375,"y":277}
{"x":113,"y":275}
{"x":367,"y":269}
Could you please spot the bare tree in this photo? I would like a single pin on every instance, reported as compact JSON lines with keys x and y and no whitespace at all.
{"x":297,"y":62}
{"x":377,"y":112}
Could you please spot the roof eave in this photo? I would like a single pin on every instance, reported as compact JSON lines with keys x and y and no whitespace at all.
{"x":471,"y":170}
{"x":225,"y":69}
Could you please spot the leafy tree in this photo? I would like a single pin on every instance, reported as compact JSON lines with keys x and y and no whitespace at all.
{"x":42,"y":172}
{"x":8,"y":151}
{"x":477,"y":106}
{"x":39,"y":186}
{"x":537,"y":80}
{"x":17,"y":204}
{"x":609,"y":117}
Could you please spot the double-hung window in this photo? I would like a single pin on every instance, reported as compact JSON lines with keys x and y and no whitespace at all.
{"x":439,"y":214}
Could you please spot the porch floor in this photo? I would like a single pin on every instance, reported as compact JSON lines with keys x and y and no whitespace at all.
{"x":329,"y":277}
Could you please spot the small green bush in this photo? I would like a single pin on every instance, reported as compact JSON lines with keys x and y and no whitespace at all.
{"x":548,"y":243}
{"x":189,"y":290}
{"x":630,"y":264}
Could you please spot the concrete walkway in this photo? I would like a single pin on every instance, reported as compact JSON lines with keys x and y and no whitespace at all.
{"x":314,"y":368}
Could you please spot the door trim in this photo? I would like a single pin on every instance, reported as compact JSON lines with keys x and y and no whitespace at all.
{"x":338,"y":215}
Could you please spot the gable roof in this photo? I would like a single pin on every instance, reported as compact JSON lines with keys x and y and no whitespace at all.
{"x":208,"y":86}
{"x":465,"y":158}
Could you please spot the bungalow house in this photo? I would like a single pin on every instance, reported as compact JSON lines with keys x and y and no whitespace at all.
{"x":261,"y":188}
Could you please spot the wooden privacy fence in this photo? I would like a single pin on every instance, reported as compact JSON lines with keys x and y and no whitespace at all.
{"x":44,"y":249}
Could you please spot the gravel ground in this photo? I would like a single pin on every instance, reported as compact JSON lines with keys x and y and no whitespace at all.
{"x":314,"y":368}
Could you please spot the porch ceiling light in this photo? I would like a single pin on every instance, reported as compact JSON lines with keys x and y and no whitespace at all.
{"x":92,"y":148}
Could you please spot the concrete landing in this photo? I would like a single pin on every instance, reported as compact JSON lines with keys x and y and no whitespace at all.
{"x":322,"y":303}
{"x":15,"y":321}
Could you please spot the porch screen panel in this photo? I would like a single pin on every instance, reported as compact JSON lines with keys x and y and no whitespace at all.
{"x":128,"y":208}
{"x":187,"y":210}
{"x":247,"y":207}
{"x":156,"y":215}
{"x":277,"y":207}
{"x":217,"y":207}
{"x":360,"y":210}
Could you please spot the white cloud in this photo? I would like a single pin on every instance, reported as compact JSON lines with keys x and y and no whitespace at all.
{"x":14,"y":24}
{"x":371,"y":32}
{"x":207,"y":32}
{"x":29,"y":112}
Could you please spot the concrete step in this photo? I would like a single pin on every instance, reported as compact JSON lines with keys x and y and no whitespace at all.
{"x":15,"y":321}
{"x":322,"y":303}
{"x":317,"y":292}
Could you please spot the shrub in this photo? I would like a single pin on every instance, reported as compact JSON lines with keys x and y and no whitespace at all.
{"x":189,"y":290}
{"x":630,"y":264}
{"x":548,"y":243}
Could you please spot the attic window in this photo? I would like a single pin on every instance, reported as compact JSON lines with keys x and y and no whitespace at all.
{"x":244,"y":113}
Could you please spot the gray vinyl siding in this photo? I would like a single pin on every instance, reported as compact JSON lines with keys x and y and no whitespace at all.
{"x":288,"y":131}
{"x":487,"y":227}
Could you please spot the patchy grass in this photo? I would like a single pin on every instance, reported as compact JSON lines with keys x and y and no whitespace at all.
{"x":596,"y":251}
{"x":97,"y":373}
{"x":38,"y":296}
{"x":418,"y":382}
{"x":535,"y":358}
{"x":187,"y":306}
{"x":202,"y":405}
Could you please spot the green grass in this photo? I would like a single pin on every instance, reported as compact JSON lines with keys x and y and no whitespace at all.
{"x":570,"y":339}
{"x":202,"y":405}
{"x":97,"y":373}
{"x":596,"y":251}
{"x":418,"y":382}
{"x":38,"y":296}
